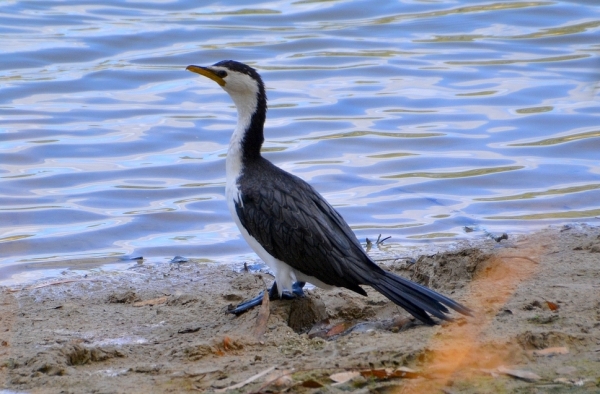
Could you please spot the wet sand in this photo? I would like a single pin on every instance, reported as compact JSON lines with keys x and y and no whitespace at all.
{"x":159,"y":328}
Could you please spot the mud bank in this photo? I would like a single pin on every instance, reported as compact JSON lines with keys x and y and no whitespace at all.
{"x":165,"y":328}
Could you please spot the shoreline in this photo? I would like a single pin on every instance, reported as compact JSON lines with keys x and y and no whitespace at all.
{"x":165,"y":327}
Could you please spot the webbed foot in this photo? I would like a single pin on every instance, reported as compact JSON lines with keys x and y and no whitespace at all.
{"x":297,"y":291}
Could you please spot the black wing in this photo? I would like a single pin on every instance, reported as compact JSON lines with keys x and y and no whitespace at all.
{"x":296,"y":225}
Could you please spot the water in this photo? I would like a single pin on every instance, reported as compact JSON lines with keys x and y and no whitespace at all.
{"x":414,"y":118}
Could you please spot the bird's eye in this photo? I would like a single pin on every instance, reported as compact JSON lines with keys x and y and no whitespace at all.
{"x":221,"y":73}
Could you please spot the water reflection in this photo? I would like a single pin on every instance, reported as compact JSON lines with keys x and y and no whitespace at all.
{"x":415,"y":119}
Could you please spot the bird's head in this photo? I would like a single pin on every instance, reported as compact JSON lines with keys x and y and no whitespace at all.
{"x":241,"y":81}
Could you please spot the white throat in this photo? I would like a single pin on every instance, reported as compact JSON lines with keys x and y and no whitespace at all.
{"x":243,"y":91}
{"x":246,"y":105}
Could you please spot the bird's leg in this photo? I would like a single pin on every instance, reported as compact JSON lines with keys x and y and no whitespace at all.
{"x":274,"y":292}
{"x":298,"y":289}
{"x":273,"y":295}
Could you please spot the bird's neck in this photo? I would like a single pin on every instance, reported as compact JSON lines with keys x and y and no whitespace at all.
{"x":248,"y":137}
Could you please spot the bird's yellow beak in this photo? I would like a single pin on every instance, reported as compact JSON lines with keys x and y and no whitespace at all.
{"x":207,"y":73}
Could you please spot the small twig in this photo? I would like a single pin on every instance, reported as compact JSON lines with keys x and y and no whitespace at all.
{"x":394,"y":259}
{"x":380,"y":241}
{"x":270,"y":382}
{"x":247,"y":381}
{"x":494,"y":237}
{"x":60,"y":282}
{"x":369,"y":245}
{"x":262,"y":318}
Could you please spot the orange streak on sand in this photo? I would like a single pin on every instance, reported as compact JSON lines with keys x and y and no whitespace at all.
{"x":457,"y":350}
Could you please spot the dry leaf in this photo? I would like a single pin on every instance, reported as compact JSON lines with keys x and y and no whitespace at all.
{"x":550,"y":351}
{"x":154,"y":301}
{"x":313,"y":384}
{"x":404,"y":373}
{"x":343,"y":377}
{"x":337,"y":329}
{"x":553,"y":307}
{"x":388,"y":373}
{"x":519,"y":373}
{"x":375,"y":373}
{"x":400,"y":321}
{"x":189,"y":330}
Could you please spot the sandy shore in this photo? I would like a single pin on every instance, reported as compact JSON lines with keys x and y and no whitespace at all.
{"x":164,"y":328}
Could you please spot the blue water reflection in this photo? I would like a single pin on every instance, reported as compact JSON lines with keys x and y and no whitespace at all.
{"x":413,"y":118}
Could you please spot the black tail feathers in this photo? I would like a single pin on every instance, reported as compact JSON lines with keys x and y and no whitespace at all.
{"x":418,"y":300}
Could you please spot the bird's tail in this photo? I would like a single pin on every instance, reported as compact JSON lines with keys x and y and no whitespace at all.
{"x":416,"y":299}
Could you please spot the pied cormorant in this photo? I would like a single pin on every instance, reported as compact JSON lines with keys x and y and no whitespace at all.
{"x":298,"y":234}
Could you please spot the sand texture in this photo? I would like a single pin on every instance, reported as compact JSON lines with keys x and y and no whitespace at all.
{"x":160,"y":328}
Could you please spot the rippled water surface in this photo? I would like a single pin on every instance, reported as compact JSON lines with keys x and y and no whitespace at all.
{"x":414,"y":118}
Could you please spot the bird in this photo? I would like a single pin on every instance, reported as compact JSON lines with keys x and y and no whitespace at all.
{"x":289,"y":225}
